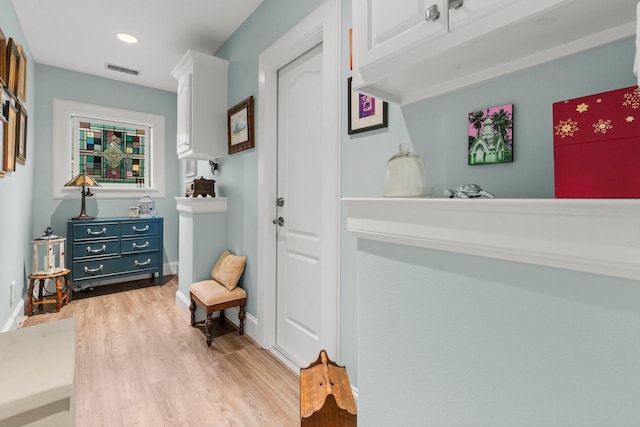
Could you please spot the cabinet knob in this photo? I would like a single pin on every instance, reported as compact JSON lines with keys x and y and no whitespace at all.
{"x":432,"y":13}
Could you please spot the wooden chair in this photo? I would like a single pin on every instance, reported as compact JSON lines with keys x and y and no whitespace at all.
{"x":220,"y":292}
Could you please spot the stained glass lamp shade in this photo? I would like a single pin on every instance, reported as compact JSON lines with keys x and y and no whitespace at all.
{"x":83,"y":180}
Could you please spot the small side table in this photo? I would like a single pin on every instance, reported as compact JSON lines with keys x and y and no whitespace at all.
{"x":58,"y":298}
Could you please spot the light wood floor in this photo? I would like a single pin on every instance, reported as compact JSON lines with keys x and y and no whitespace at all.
{"x":139,"y":363}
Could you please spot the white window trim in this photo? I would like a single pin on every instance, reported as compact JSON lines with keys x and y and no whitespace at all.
{"x":62,"y":112}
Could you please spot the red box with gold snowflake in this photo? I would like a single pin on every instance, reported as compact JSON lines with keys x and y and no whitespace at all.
{"x":596,"y":141}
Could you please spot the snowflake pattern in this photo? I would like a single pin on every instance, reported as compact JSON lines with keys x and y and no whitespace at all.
{"x":566,"y":128}
{"x":632,"y":99}
{"x":602,"y":126}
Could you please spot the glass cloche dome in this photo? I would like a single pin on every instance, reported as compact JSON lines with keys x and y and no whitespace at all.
{"x":406,"y":175}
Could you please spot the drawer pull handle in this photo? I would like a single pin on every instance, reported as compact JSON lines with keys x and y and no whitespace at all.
{"x":140,"y":230}
{"x":138,"y":264}
{"x":146,"y":245}
{"x":96,"y":233}
{"x":96,"y":251}
{"x":93,"y":270}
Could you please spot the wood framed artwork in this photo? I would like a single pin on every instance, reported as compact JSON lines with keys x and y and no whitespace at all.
{"x":12,"y":58}
{"x":21,"y":135}
{"x":3,"y":59}
{"x":21,"y":87}
{"x":9,"y":137}
{"x":240,"y":126}
{"x":365,"y":112}
{"x":3,"y":130}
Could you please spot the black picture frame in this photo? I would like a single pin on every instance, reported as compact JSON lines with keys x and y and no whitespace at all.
{"x":365,"y":112}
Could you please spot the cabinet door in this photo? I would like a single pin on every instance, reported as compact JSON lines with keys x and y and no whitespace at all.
{"x":383,"y":27}
{"x":184,"y":114}
{"x":489,"y":15}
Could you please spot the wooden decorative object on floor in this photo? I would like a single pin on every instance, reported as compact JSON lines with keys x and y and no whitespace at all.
{"x":325,"y":395}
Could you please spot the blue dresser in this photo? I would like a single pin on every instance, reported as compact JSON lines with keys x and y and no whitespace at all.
{"x":111,"y":248}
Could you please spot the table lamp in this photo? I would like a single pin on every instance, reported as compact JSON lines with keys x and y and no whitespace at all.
{"x":83,"y":180}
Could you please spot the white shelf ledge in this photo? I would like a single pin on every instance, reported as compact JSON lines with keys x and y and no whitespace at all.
{"x":600,"y":236}
{"x":200,"y":205}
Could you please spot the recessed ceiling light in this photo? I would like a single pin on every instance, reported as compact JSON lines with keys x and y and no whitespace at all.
{"x":127,"y":38}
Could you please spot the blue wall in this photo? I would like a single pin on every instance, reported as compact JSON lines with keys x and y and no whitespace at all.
{"x":26,"y":195}
{"x":52,"y":82}
{"x":16,"y":192}
{"x":456,"y":340}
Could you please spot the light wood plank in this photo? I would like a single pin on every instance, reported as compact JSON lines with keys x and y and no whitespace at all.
{"x":138,"y":363}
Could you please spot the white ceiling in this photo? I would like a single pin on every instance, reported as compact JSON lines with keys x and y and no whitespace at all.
{"x":79,"y":35}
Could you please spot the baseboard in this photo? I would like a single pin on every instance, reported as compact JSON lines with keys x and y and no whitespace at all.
{"x":16,"y":318}
{"x":231,"y":314}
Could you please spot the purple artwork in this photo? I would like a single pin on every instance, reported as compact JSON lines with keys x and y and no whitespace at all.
{"x":367,"y":106}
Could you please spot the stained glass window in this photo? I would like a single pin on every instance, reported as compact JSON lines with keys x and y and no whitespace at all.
{"x":112,"y":153}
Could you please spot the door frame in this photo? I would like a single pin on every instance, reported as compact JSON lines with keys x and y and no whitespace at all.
{"x":321,"y":26}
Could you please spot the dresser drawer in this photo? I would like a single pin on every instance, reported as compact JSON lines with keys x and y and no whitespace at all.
{"x":101,"y":268}
{"x":95,"y":249}
{"x":131,"y":245}
{"x":141,"y":262}
{"x":140,"y":227}
{"x":96,"y":230}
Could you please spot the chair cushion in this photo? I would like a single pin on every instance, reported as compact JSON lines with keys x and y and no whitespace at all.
{"x":211,"y":292}
{"x":228,"y":269}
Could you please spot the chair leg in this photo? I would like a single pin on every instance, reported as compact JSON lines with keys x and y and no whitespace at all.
{"x":192,"y":308}
{"x":207,"y":327}
{"x":241,"y":315}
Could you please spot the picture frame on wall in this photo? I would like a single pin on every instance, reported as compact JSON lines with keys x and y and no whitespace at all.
{"x":21,"y":87}
{"x":3,"y":59}
{"x":3,"y":130}
{"x":21,"y":135}
{"x":240,"y":126}
{"x":365,"y":112}
{"x":9,"y":137}
{"x":490,"y":135}
{"x":12,"y":58}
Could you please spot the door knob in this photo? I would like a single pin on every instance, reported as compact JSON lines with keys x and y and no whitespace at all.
{"x":280,"y":202}
{"x":279,"y":221}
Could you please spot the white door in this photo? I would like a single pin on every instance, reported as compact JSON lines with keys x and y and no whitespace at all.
{"x":300,"y":233}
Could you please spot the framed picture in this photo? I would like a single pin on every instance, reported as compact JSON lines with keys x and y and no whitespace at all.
{"x":3,"y":59}
{"x":21,"y":87}
{"x":240,"y":126}
{"x":9,"y":140}
{"x":12,"y":58}
{"x":365,"y":112}
{"x":3,"y":130}
{"x":21,"y":136}
{"x":490,"y":135}
{"x":190,"y":166}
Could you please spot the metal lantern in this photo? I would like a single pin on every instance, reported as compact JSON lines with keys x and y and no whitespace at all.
{"x":48,"y":253}
{"x":146,"y":207}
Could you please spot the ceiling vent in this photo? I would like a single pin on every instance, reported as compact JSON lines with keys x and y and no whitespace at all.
{"x":122,"y":69}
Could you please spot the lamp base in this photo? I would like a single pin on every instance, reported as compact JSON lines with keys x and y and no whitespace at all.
{"x":83,"y":216}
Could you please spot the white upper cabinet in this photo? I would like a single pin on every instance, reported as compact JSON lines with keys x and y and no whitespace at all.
{"x":408,"y":50}
{"x":202,"y":106}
